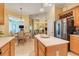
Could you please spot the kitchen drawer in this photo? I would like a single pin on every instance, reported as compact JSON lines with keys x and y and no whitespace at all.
{"x":5,"y":48}
{"x":41,"y":46}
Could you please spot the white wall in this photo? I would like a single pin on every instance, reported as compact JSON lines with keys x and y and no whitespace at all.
{"x":50,"y":22}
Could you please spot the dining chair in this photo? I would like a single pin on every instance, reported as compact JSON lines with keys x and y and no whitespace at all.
{"x":21,"y":37}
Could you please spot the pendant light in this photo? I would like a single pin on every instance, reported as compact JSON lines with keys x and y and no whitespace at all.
{"x":21,"y":13}
{"x":21,"y":16}
{"x":41,"y":9}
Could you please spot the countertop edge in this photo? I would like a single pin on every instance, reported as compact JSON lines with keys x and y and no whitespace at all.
{"x":52,"y":44}
{"x":6,"y":42}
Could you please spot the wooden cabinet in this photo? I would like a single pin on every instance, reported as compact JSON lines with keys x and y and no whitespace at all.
{"x":1,"y":13}
{"x":41,"y":49}
{"x":5,"y":50}
{"x":54,"y":50}
{"x":35,"y":46}
{"x":6,"y":53}
{"x":12,"y":47}
{"x":8,"y":49}
{"x":76,"y":16}
{"x":41,"y":53}
{"x":74,"y":43}
{"x":57,"y":50}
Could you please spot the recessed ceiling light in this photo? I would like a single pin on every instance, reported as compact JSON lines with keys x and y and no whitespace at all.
{"x":47,"y":4}
{"x":50,"y":4}
{"x":42,"y":10}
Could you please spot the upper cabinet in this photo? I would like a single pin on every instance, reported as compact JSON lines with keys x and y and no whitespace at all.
{"x":72,"y":12}
{"x":1,"y":13}
{"x":76,"y":16}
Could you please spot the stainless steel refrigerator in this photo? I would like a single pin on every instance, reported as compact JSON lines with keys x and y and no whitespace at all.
{"x":67,"y":27}
{"x":64,"y":27}
{"x":58,"y":28}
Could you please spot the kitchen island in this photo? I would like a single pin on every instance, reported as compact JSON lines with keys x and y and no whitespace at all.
{"x":7,"y":46}
{"x":50,"y":46}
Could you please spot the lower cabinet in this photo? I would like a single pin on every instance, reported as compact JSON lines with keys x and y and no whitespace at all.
{"x":8,"y":49}
{"x":74,"y":44}
{"x":54,"y":50}
{"x":35,"y":46}
{"x":41,"y":53}
{"x":5,"y":50}
{"x":6,"y":53}
{"x":41,"y":49}
{"x":12,"y":48}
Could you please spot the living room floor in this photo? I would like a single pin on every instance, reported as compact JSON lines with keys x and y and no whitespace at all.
{"x":27,"y":49}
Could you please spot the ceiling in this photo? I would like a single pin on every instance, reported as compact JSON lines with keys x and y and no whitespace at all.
{"x":28,"y":8}
{"x":32,"y":8}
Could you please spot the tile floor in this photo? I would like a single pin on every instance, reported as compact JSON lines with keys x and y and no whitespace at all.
{"x":28,"y":49}
{"x":25,"y":50}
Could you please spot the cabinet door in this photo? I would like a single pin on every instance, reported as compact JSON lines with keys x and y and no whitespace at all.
{"x":41,"y":46}
{"x":51,"y":51}
{"x":12,"y":47}
{"x":76,"y":19}
{"x":41,"y":53}
{"x":74,"y":44}
{"x":6,"y":53}
{"x":35,"y":46}
{"x":41,"y":49}
{"x":5,"y":50}
{"x":1,"y":13}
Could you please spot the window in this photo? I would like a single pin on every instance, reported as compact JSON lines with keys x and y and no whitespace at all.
{"x":14,"y":24}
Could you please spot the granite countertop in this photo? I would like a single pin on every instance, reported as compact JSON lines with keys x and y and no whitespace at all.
{"x":50,"y":40}
{"x":74,"y":35}
{"x":5,"y":40}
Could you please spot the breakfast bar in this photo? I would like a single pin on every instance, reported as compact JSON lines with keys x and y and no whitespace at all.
{"x":50,"y":46}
